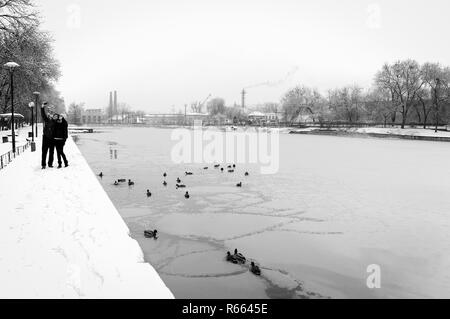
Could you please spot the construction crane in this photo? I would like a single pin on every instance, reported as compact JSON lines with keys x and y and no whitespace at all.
{"x":198,"y":108}
{"x":204,"y":102}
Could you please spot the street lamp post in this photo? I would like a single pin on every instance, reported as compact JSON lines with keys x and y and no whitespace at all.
{"x":11,"y":66}
{"x":31,"y":106}
{"x":36,"y":102}
{"x":33,"y":144}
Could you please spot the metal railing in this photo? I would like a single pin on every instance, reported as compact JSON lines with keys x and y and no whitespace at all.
{"x":8,"y":157}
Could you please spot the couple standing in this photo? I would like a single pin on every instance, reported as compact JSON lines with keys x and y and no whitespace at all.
{"x":55,"y":136}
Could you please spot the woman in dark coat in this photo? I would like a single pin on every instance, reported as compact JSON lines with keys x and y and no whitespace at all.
{"x":60,"y":136}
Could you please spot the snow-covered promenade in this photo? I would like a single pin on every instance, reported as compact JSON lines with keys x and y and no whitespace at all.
{"x":61,"y":236}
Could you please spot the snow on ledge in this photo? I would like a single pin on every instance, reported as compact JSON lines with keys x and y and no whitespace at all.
{"x":61,"y":236}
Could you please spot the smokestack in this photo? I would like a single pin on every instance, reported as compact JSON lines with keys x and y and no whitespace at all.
{"x":111,"y":108}
{"x":243,"y":98}
{"x":115,"y":102}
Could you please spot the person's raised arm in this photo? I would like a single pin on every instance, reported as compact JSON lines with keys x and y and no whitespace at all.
{"x":43,"y":113}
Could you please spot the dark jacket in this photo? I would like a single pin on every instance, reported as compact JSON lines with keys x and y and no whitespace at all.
{"x":49,"y":124}
{"x":61,"y":130}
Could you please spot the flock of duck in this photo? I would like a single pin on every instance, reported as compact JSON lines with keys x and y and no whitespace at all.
{"x":178,"y":185}
{"x":236,"y":258}
{"x":239,"y":259}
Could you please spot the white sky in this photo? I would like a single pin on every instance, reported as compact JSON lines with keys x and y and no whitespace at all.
{"x":161,"y":54}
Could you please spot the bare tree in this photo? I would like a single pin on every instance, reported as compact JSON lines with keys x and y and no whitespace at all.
{"x":216,"y":106}
{"x":75,"y":113}
{"x":32,"y":50}
{"x":437,"y":79}
{"x":425,"y":105}
{"x":347,"y":103}
{"x":197,"y":107}
{"x":17,"y":15}
{"x":379,"y":106}
{"x":236,"y":114}
{"x":300,"y":100}
{"x":404,"y":80}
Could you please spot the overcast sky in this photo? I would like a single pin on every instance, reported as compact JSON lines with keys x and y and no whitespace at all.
{"x":162,"y":54}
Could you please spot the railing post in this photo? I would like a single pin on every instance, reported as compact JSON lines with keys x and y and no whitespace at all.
{"x":6,"y":158}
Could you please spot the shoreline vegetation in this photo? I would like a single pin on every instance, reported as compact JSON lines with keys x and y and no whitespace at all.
{"x":404,"y":93}
{"x":408,"y":133}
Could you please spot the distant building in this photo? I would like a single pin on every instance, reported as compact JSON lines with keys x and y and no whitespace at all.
{"x":260,"y":118}
{"x":257,"y":118}
{"x":192,"y":117}
{"x":92,"y":116}
{"x":117,"y":119}
{"x":273,"y":118}
{"x":163,"y":119}
{"x":174,"y":119}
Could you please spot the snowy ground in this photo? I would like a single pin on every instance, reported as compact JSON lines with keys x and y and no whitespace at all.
{"x":399,"y":131}
{"x":385,"y":131}
{"x":61,"y":237}
{"x":21,"y":139}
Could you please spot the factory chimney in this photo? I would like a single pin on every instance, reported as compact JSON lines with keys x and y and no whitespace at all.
{"x":111,"y":107}
{"x":115,"y":103}
{"x":243,"y":98}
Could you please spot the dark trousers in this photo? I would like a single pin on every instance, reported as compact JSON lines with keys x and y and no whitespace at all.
{"x":59,"y":144}
{"x":48,"y":146}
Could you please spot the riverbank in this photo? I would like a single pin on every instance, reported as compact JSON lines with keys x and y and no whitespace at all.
{"x":378,"y":132}
{"x":61,"y":236}
{"x":408,"y":133}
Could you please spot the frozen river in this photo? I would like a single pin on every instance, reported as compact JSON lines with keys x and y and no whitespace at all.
{"x":336,"y":206}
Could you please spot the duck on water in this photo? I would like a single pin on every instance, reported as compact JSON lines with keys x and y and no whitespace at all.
{"x":237,"y":258}
{"x":240,"y":259}
{"x":151,"y":234}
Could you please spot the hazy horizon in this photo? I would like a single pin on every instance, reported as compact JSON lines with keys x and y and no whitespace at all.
{"x":161,"y":55}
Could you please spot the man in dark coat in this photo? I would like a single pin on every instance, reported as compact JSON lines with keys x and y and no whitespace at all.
{"x":60,"y":136}
{"x":48,"y":145}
